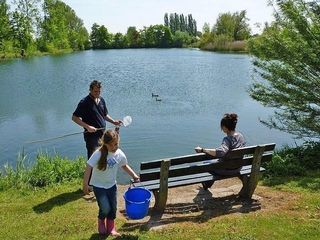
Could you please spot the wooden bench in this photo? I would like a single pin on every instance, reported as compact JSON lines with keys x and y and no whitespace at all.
{"x":159,"y":175}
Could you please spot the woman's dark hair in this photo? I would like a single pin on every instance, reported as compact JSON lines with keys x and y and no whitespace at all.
{"x":229,"y":121}
{"x":95,"y":83}
{"x":108,"y":136}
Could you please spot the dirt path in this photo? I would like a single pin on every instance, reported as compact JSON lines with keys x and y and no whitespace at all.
{"x":192,"y":203}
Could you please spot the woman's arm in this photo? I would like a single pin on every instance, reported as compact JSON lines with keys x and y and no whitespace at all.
{"x":87,"y":173}
{"x":210,"y":151}
{"x":129,"y":170}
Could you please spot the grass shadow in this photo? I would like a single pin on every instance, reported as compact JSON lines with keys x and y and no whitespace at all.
{"x":203,"y":208}
{"x":57,"y":201}
{"x":97,"y":236}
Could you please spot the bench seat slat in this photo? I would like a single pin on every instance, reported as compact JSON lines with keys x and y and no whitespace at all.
{"x":202,"y":167}
{"x":191,"y":179}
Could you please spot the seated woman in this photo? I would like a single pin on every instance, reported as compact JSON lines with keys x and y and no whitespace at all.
{"x":231,"y":141}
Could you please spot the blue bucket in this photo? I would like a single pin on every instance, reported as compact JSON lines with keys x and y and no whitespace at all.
{"x":137,"y":202}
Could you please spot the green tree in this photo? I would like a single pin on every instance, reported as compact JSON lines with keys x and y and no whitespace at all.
{"x":4,"y":21}
{"x":24,"y":21}
{"x":287,"y":59}
{"x":172,"y":23}
{"x":225,"y":25}
{"x":78,"y":36}
{"x":163,"y":36}
{"x":61,"y":28}
{"x":133,"y":37}
{"x":156,"y":36}
{"x":183,"y":26}
{"x":100,"y":38}
{"x":166,"y":19}
{"x":206,"y":28}
{"x":119,"y":41}
{"x":54,"y":31}
{"x":180,"y":38}
{"x":233,"y":25}
{"x":241,"y":26}
{"x":5,"y":29}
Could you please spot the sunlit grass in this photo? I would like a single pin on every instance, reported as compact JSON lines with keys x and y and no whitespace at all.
{"x":44,"y":201}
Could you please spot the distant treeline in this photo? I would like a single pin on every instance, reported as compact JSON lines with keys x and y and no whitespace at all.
{"x":178,"y":31}
{"x":51,"y":26}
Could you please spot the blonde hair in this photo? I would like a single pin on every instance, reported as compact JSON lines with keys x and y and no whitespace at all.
{"x":108,"y":136}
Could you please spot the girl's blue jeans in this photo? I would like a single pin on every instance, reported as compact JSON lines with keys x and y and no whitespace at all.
{"x":107,"y":201}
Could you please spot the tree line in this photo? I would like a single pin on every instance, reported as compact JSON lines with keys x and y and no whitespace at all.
{"x":36,"y":25}
{"x":51,"y":26}
{"x":176,"y":32}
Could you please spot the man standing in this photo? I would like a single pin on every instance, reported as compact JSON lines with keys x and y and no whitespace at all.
{"x":91,"y":114}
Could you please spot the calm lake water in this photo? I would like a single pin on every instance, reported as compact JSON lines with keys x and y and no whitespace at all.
{"x":39,"y":95}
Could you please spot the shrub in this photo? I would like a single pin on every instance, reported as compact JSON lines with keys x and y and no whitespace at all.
{"x":47,"y":170}
{"x":295,"y":161}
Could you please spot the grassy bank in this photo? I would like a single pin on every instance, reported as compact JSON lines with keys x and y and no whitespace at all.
{"x":44,"y":201}
{"x":60,"y":212}
{"x":16,"y":55}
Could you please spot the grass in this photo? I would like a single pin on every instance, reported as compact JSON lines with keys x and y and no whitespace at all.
{"x":44,"y":201}
{"x":60,"y":212}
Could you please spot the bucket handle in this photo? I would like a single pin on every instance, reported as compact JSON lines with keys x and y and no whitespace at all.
{"x":132,"y":182}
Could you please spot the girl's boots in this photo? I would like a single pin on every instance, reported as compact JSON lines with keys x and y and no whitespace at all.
{"x":111,"y":229}
{"x":102,"y":226}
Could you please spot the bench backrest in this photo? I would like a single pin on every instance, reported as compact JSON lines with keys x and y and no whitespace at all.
{"x":200,"y":162}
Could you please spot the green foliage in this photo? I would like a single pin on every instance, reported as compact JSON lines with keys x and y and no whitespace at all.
{"x":24,"y":22}
{"x":233,"y":25}
{"x":180,"y":39}
{"x":287,"y":59}
{"x":228,"y":33}
{"x":156,"y":36}
{"x":61,"y":28}
{"x":133,"y":37}
{"x":51,"y":170}
{"x":119,"y":41}
{"x":181,"y":23}
{"x":47,"y":170}
{"x":5,"y":29}
{"x":100,"y":38}
{"x":295,"y":161}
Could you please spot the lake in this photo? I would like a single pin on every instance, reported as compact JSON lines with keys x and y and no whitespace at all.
{"x":38,"y":96}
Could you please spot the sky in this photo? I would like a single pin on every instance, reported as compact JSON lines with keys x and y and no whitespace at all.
{"x":118,"y":15}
